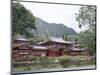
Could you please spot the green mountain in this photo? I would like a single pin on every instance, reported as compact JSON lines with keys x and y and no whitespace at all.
{"x":51,"y":29}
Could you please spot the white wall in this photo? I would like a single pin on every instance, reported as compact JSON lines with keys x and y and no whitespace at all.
{"x":5,"y":37}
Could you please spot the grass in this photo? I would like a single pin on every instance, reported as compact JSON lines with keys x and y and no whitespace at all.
{"x":63,"y":61}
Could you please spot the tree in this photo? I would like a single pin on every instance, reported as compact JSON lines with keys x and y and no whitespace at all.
{"x":87,"y":19}
{"x":87,"y":39}
{"x":23,"y":20}
{"x":65,"y":37}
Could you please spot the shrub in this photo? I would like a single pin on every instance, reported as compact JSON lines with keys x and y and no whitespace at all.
{"x":28,"y":68}
{"x":65,"y":62}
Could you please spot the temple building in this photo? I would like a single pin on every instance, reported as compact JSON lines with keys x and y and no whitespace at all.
{"x":60,"y":47}
{"x":22,"y":48}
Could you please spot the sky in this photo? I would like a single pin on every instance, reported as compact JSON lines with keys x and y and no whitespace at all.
{"x":55,"y":13}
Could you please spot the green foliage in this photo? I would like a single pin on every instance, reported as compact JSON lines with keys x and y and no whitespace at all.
{"x":87,"y":17}
{"x":65,"y":37}
{"x":73,"y":38}
{"x":87,"y":20}
{"x":28,"y":68}
{"x":65,"y":62}
{"x":50,"y":62}
{"x":37,"y":39}
{"x":44,"y":62}
{"x":87,"y":39}
{"x":22,"y":20}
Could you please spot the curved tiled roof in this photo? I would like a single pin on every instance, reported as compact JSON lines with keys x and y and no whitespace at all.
{"x":57,"y":40}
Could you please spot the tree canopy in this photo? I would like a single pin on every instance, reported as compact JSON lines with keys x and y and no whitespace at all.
{"x":87,"y":19}
{"x":22,"y":20}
